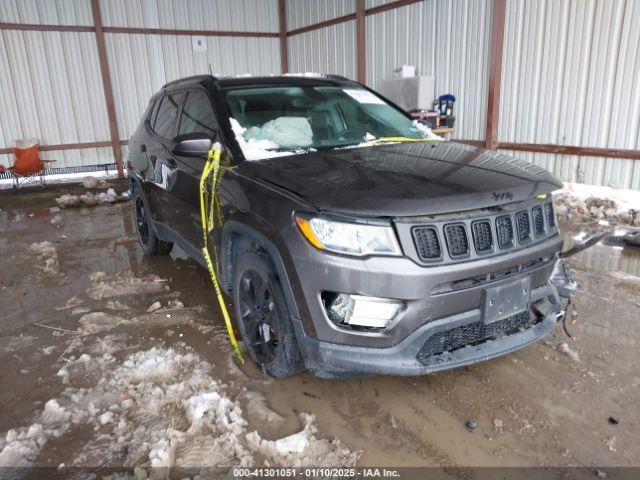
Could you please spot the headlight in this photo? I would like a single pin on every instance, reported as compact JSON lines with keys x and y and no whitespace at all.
{"x":349,"y":238}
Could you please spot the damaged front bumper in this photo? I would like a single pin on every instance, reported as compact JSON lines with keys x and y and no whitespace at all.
{"x":327,"y":359}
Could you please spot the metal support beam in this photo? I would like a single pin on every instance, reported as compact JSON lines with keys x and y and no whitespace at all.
{"x":106,"y":85}
{"x":570,"y":150}
{"x":63,"y":146}
{"x":30,"y":27}
{"x":183,"y":32}
{"x":391,"y":6}
{"x":361,"y":39}
{"x":495,"y":74}
{"x":282,"y":33}
{"x":523,"y":147}
{"x":324,"y":24}
{"x":352,"y":16}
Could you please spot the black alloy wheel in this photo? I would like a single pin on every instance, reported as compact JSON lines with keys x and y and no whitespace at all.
{"x":259,"y":316}
{"x":142,"y":224}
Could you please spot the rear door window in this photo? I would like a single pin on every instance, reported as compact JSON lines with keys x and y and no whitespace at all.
{"x":151,"y":118}
{"x":197,"y":115}
{"x":166,"y":122}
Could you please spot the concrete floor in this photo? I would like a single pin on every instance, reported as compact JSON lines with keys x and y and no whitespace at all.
{"x":537,"y":407}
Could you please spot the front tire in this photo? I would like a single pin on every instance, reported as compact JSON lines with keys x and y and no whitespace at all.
{"x":149,"y":241}
{"x":263,"y":316}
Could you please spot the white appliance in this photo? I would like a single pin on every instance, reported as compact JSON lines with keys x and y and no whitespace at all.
{"x":410,"y":93}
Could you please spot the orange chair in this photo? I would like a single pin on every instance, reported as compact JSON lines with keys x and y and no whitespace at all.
{"x":28,"y":167}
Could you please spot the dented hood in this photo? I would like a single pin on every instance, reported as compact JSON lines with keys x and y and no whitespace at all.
{"x":406,"y":179}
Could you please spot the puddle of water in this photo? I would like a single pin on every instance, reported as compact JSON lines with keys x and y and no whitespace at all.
{"x":606,"y":258}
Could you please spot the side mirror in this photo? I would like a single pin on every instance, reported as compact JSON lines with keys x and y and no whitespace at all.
{"x":192,"y":145}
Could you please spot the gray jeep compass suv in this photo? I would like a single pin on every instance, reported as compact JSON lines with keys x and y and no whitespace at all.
{"x":349,"y":238}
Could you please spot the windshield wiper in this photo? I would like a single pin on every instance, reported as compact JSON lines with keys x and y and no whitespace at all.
{"x":289,"y":149}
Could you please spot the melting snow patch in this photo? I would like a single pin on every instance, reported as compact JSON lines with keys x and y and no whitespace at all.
{"x":425,"y":131}
{"x":90,"y":199}
{"x":48,"y":255}
{"x":303,"y":448}
{"x":106,"y":417}
{"x":96,"y":322}
{"x":164,"y":409}
{"x":569,"y":352}
{"x":122,"y":284}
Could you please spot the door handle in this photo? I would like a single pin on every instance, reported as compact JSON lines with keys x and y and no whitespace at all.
{"x":143,"y":148}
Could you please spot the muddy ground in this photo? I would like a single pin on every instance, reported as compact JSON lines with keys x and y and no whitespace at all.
{"x":546,"y":405}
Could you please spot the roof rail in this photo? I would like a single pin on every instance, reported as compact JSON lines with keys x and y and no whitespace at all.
{"x":188,"y":79}
{"x":316,"y":75}
{"x":339,"y":77}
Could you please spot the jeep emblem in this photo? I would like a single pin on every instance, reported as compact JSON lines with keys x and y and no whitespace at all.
{"x":498,"y":196}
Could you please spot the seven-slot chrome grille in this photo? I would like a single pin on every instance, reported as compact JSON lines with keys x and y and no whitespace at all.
{"x":485,"y":234}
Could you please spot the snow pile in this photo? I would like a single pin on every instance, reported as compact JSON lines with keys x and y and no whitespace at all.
{"x":577,"y":203}
{"x":303,"y":448}
{"x":90,"y":182}
{"x":48,"y":255}
{"x":257,"y":408}
{"x":22,"y":445}
{"x":96,"y":322}
{"x":569,"y":352}
{"x":56,"y":221}
{"x":162,"y":408}
{"x":90,"y":199}
{"x":425,"y":131}
{"x":122,"y":284}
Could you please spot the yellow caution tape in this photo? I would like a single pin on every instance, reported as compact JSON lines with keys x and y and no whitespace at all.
{"x":211,"y":210}
{"x":208,"y":218}
{"x":406,"y":139}
{"x":383,"y":140}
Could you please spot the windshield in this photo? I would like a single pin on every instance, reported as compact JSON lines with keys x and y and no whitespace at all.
{"x":283,"y":120}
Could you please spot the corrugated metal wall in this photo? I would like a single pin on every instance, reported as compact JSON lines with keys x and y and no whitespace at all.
{"x":51,"y":90}
{"x":141,"y":64}
{"x":570,"y":68}
{"x":570,"y":77}
{"x":50,"y":82}
{"x":36,"y":69}
{"x":46,"y":12}
{"x":328,"y":50}
{"x":449,"y":40}
{"x":301,"y":13}
{"x":376,"y":3}
{"x":231,"y":15}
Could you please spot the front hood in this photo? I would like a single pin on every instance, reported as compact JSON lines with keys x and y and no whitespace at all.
{"x":406,"y":179}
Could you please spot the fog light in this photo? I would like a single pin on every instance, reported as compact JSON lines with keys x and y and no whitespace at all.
{"x":361,"y":311}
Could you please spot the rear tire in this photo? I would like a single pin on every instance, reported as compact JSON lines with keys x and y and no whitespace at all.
{"x":263,"y":316}
{"x":149,"y":241}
